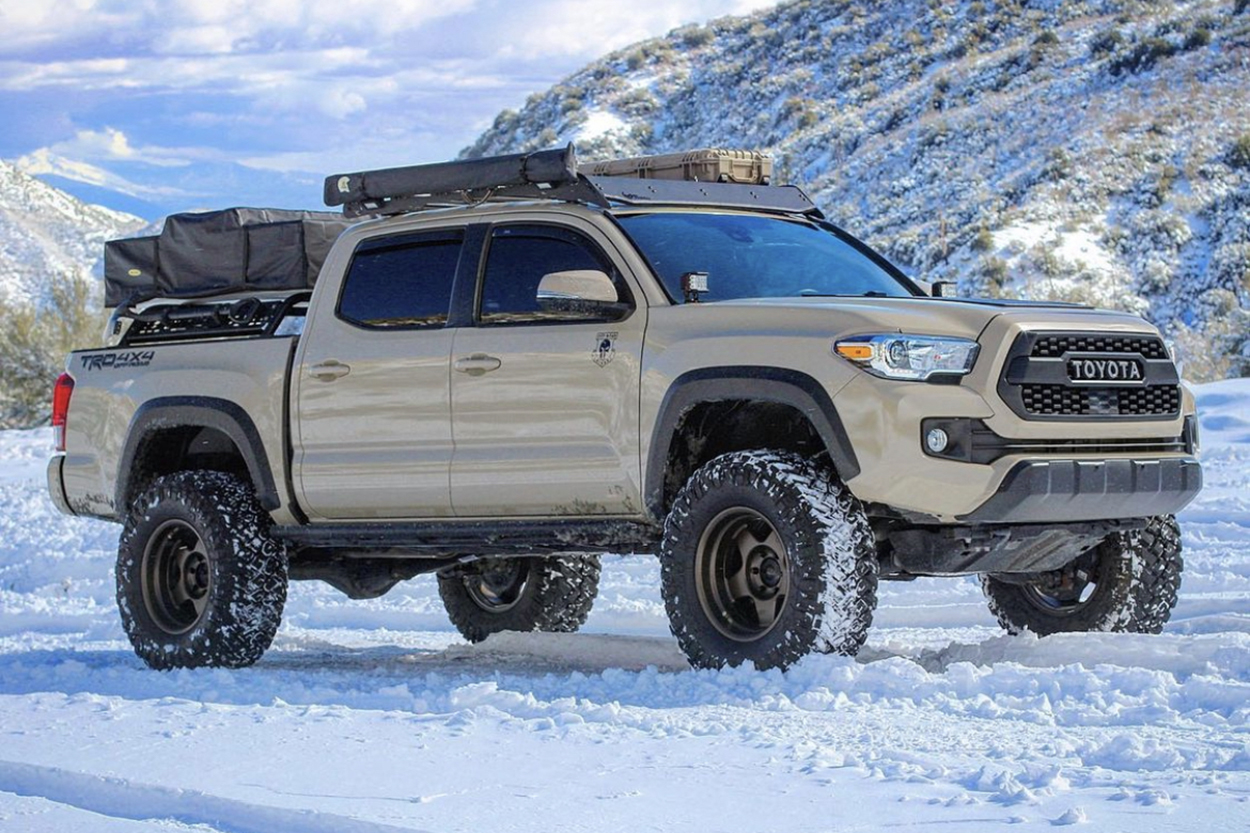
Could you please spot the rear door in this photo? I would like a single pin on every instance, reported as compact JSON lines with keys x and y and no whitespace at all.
{"x":372,"y":422}
{"x":545,"y":404}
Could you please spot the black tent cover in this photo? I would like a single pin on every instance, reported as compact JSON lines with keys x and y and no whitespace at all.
{"x":217,"y":252}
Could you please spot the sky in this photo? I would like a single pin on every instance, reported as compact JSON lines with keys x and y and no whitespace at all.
{"x":158,"y":106}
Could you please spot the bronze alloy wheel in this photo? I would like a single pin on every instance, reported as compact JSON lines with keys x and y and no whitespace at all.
{"x":1066,"y":591}
{"x":766,"y":558}
{"x":200,"y":580}
{"x":176,"y":577}
{"x":551,"y":594}
{"x":1129,"y":582}
{"x":743,"y":574}
{"x":499,"y":584}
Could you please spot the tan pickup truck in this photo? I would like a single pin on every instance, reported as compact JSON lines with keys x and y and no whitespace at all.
{"x":513,"y":365}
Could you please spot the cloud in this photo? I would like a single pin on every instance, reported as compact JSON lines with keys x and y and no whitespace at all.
{"x":292,"y":85}
{"x":206,"y":27}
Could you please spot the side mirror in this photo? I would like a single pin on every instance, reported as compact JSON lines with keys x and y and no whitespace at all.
{"x":576,"y":285}
{"x":581,"y":294}
{"x":943,"y":289}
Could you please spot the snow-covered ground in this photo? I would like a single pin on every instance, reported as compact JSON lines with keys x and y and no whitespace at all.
{"x":375,"y":716}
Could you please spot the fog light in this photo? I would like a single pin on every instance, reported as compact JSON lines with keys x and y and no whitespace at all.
{"x":936,"y":440}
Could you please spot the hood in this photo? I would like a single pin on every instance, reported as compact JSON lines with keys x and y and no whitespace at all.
{"x":964,"y":317}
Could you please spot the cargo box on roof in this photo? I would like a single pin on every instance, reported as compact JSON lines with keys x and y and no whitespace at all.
{"x":217,"y":252}
{"x":744,"y":167}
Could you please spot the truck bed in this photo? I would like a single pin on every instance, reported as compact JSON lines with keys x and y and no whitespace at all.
{"x":120,"y":392}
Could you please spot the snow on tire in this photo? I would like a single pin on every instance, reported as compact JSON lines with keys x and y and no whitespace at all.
{"x":1129,"y":582}
{"x":766,"y":558}
{"x":200,"y":581}
{"x":552,"y":594}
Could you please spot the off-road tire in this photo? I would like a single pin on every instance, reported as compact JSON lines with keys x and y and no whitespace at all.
{"x":1135,"y":575}
{"x":200,"y":581}
{"x":552,"y":594}
{"x":801,"y":529}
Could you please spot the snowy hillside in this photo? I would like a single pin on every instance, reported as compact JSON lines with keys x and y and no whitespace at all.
{"x":1092,"y":150}
{"x":44,"y":231}
{"x":373,"y":716}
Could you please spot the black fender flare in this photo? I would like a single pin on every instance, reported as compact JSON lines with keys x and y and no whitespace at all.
{"x":198,"y":412}
{"x":766,"y":384}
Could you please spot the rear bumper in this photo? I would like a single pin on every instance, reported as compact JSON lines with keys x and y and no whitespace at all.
{"x":1058,"y":491}
{"x":56,"y":484}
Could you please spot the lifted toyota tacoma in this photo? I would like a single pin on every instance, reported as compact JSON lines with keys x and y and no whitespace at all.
{"x":495,"y":370}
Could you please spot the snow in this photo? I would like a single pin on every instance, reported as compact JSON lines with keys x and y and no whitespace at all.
{"x":374,"y":716}
{"x":599,"y":123}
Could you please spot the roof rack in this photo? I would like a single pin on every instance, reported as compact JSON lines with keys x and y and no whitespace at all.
{"x":542,"y":175}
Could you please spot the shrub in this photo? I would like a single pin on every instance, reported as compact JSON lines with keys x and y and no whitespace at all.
{"x":34,"y":342}
{"x":995,"y":271}
{"x":1239,"y":153}
{"x":1106,"y":42}
{"x":983,"y":241}
{"x":697,"y":36}
{"x":1144,"y":55}
{"x":1058,"y":165}
{"x":1197,"y":39}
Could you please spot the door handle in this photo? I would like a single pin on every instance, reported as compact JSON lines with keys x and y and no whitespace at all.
{"x":329,"y":370}
{"x":477,"y":364}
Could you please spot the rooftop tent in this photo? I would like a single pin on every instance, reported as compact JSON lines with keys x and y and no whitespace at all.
{"x":216,"y":252}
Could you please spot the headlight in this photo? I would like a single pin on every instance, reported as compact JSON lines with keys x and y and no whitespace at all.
{"x":901,"y":356}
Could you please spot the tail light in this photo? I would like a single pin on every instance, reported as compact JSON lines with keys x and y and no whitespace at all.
{"x":60,"y":407}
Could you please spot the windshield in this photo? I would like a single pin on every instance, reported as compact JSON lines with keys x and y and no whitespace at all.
{"x":751,"y":256}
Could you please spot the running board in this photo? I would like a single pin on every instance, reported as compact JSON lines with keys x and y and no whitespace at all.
{"x":451,"y":539}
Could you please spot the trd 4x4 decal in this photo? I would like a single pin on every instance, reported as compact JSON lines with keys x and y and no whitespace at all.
{"x":103,"y":361}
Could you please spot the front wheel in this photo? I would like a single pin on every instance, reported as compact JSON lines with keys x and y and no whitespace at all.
{"x":200,"y":581}
{"x":765,"y":559}
{"x":1129,"y":583}
{"x":551,"y":594}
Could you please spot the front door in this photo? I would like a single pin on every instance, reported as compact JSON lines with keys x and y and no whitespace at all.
{"x":545,"y":403}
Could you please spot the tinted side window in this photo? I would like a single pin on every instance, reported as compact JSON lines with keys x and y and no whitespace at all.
{"x":401,"y":281}
{"x":518,"y":259}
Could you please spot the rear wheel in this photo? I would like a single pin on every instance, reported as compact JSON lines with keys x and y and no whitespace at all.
{"x":766,"y":558}
{"x":552,"y":594}
{"x":1129,"y":582}
{"x":200,"y":582}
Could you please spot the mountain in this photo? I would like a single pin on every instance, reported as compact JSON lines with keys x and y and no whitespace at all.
{"x":44,"y":231}
{"x":151,"y":188}
{"x":1088,"y":150}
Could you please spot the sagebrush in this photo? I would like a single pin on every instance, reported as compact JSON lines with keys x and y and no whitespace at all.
{"x":34,"y":341}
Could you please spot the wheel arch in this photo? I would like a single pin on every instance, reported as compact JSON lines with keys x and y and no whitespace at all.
{"x":715,"y":391}
{"x":174,"y":433}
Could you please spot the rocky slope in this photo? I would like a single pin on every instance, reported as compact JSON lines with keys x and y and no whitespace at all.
{"x":1091,"y":150}
{"x":44,"y":231}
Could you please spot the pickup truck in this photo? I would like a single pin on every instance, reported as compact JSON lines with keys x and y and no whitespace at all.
{"x":511,"y":365}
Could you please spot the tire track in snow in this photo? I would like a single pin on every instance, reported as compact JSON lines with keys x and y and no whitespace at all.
{"x":134,"y":801}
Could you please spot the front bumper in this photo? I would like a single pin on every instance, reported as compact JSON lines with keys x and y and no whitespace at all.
{"x":1058,"y":491}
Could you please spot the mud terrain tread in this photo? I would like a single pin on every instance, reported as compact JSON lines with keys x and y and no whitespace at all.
{"x":559,"y":593}
{"x":1143,"y":582}
{"x":247,"y":565}
{"x":832,"y":552}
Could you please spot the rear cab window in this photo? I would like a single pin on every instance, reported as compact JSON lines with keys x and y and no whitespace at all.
{"x":402,"y":281}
